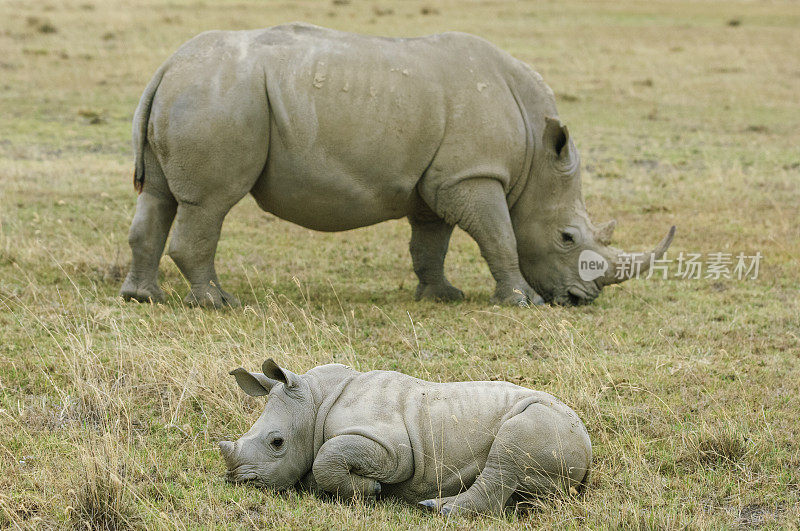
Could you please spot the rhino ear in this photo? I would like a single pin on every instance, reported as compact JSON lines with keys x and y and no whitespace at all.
{"x":556,"y":139}
{"x":271,"y":370}
{"x":253,"y":383}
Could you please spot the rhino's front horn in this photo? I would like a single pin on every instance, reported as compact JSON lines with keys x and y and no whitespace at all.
{"x":624,"y":267}
{"x":227,"y":449}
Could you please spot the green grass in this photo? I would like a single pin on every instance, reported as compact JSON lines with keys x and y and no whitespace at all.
{"x":110,"y":412}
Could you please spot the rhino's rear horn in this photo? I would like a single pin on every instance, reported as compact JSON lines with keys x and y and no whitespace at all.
{"x":605,"y":231}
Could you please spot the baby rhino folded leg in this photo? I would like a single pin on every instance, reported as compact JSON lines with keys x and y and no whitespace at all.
{"x":352,"y":466}
{"x":538,"y":452}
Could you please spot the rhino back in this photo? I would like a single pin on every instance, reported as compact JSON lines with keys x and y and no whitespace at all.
{"x":356,"y":122}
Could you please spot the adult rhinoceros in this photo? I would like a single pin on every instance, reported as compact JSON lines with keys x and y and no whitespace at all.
{"x":334,"y":131}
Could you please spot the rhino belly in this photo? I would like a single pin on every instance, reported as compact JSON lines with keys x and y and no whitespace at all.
{"x":334,"y":201}
{"x":448,"y":480}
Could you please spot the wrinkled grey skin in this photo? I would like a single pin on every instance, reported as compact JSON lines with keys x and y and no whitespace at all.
{"x":334,"y":131}
{"x":463,"y":447}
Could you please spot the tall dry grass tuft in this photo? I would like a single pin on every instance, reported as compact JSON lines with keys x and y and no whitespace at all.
{"x":716,"y":445}
{"x":102,"y":499}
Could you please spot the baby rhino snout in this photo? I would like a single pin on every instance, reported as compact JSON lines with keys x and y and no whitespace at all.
{"x":228,"y":451}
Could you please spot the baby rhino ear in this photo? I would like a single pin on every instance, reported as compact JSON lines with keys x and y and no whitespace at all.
{"x":253,"y":383}
{"x":271,"y":370}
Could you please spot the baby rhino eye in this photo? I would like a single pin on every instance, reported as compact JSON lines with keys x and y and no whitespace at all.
{"x":276,"y":443}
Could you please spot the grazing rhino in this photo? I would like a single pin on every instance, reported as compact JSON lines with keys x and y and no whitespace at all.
{"x":464,"y":447}
{"x":334,"y":131}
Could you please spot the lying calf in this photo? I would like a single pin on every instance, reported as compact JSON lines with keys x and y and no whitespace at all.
{"x":465,"y":446}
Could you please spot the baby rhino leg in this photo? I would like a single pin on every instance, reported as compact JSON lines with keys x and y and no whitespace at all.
{"x":559,"y":452}
{"x":352,"y":466}
{"x":540,"y":451}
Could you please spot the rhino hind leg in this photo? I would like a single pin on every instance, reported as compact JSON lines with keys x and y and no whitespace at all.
{"x":193,"y":246}
{"x":539,"y":452}
{"x":430,"y":237}
{"x":155,"y":210}
{"x":209,"y":170}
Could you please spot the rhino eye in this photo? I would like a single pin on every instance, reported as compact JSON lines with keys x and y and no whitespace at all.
{"x":276,"y":443}
{"x":567,"y":238}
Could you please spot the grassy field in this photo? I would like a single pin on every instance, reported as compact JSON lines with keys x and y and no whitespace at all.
{"x":684,"y":113}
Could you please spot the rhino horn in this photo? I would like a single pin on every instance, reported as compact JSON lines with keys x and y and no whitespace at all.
{"x":603,"y":233}
{"x":636,"y":263}
{"x":228,"y":449}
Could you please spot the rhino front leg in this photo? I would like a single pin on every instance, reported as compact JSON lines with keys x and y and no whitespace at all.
{"x":352,"y":466}
{"x":479,"y":207}
{"x":430,"y":236}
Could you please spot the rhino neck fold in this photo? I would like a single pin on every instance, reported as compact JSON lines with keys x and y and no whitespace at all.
{"x":518,"y":185}
{"x":326,"y":402}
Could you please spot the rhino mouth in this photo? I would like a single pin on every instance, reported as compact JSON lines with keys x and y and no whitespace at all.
{"x":244,"y":474}
{"x":577,"y":296}
{"x":234,"y":476}
{"x":254,"y":478}
{"x":251,"y":480}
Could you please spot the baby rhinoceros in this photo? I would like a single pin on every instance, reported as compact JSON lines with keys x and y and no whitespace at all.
{"x":452,"y":447}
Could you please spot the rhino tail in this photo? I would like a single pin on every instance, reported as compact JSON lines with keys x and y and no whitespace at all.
{"x":141,"y":118}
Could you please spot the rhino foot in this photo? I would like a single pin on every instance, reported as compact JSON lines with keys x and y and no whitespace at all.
{"x":364,"y":487}
{"x":436,"y":505}
{"x":429,"y":505}
{"x":444,"y":506}
{"x":132,"y":289}
{"x":210,"y":296}
{"x":516,"y":296}
{"x":439,"y":292}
